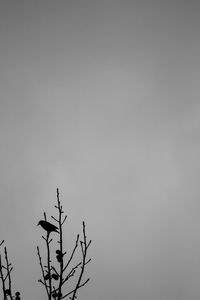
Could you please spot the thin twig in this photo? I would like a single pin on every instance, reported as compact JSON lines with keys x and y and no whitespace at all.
{"x":2,"y":279}
{"x":61,"y":245}
{"x":49,"y":264}
{"x":1,"y":243}
{"x":76,"y":288}
{"x":42,"y":269}
{"x":84,"y":248}
{"x":8,"y":271}
{"x":70,"y":259}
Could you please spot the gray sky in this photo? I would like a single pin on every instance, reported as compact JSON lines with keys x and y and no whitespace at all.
{"x":101,"y":99}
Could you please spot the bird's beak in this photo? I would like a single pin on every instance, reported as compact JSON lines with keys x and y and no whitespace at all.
{"x":38,"y":224}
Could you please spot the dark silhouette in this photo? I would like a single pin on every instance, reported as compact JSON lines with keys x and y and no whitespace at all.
{"x":56,"y":275}
{"x":17,"y":296}
{"x":58,"y":268}
{"x":5,"y":277}
{"x":48,"y":226}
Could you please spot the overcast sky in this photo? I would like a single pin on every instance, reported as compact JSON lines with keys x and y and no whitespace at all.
{"x":101,"y":99}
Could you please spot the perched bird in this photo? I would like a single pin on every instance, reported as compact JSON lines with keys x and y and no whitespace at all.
{"x":48,"y":226}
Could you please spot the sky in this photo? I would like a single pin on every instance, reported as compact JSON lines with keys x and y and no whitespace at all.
{"x":101,"y":100}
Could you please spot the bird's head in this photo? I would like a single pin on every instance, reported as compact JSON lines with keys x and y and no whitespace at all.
{"x":39,"y":223}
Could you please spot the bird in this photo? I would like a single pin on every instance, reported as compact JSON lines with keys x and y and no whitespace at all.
{"x":48,"y":226}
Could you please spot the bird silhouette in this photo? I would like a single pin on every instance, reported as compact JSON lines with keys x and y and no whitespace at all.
{"x":48,"y":226}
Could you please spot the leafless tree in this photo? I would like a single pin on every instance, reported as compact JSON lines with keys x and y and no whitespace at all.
{"x":55,"y":277}
{"x":5,"y":276}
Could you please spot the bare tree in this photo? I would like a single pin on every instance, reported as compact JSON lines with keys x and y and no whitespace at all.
{"x":54,"y":278}
{"x":5,"y":276}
